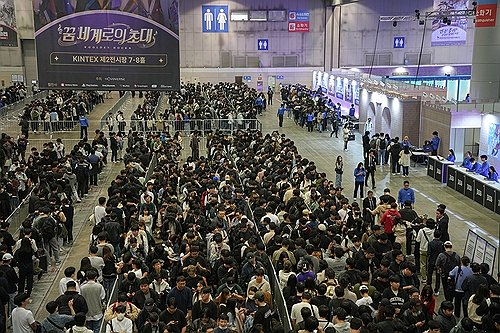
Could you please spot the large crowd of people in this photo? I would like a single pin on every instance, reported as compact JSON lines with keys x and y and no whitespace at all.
{"x":196,"y":245}
{"x":12,"y":94}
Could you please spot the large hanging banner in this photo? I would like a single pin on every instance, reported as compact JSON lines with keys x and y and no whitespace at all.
{"x":107,"y":44}
{"x":454,"y":33}
{"x":8,"y":32}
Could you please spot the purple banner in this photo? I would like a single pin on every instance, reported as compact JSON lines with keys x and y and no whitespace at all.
{"x":449,"y":31}
{"x":108,"y":50}
{"x":8,"y":30}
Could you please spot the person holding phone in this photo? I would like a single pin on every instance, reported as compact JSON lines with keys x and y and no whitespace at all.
{"x":174,"y":318}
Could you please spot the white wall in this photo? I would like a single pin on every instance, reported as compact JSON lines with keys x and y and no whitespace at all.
{"x":358,"y":32}
{"x":203,"y":50}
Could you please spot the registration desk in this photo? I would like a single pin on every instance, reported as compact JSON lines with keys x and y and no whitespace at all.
{"x":437,"y":168}
{"x":475,"y":187}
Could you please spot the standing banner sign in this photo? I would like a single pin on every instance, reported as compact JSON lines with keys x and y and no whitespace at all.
{"x":110,"y":45}
{"x":480,"y":250}
{"x":455,"y":33}
{"x":8,"y":31}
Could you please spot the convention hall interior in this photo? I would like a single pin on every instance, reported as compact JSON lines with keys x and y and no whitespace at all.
{"x":248,"y":166}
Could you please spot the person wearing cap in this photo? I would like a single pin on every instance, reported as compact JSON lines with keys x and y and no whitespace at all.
{"x":149,"y":308}
{"x":11,"y":277}
{"x":365,"y":297}
{"x":22,"y":318}
{"x":445,"y":262}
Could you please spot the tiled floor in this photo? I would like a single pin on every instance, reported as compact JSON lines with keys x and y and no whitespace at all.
{"x":464,"y":213}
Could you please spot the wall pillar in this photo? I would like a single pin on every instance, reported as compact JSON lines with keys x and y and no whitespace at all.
{"x":485,"y":81}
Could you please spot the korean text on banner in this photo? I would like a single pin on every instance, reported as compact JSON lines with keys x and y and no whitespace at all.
{"x":107,"y":47}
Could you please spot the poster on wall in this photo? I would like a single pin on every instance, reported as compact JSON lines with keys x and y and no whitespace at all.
{"x":8,"y":30}
{"x":494,"y":141}
{"x":113,"y":45}
{"x":454,"y":33}
{"x":339,"y":93}
{"x":324,"y":84}
{"x":348,"y":90}
{"x":314,"y":80}
{"x":331,"y":85}
{"x":356,"y":92}
{"x":319,"y":77}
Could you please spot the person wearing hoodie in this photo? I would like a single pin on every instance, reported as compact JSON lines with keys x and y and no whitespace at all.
{"x":70,"y":177}
{"x":445,"y":317}
{"x":79,"y":326}
{"x":120,"y":323}
{"x":339,"y":318}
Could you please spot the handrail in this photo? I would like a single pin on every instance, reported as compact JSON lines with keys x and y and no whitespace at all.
{"x":114,"y":293}
{"x":278,"y":299}
{"x":117,"y":106}
{"x":25,"y":101}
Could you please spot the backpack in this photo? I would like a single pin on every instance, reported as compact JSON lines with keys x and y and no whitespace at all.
{"x":451,"y":262}
{"x":48,"y":228}
{"x":373,"y":144}
{"x":382,"y":144}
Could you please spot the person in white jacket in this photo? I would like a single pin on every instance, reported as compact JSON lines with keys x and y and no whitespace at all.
{"x":424,"y":236}
{"x":120,"y":324}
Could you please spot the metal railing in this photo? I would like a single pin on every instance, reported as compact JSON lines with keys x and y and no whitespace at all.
{"x":279,"y":302}
{"x":19,"y":105}
{"x":114,"y":109}
{"x":190,"y":125}
{"x":116,"y":286}
{"x":19,"y":214}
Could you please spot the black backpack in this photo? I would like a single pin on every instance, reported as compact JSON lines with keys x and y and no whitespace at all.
{"x":48,"y":228}
{"x":451,"y":262}
{"x":382,"y":144}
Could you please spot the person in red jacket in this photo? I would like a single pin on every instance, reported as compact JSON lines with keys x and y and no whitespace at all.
{"x":387,"y":221}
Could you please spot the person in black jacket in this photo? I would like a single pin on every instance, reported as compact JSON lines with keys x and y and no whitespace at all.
{"x":435,"y":247}
{"x":442,"y":222}
{"x":145,"y":293}
{"x":471,"y":284}
{"x":79,"y":302}
{"x":11,"y":276}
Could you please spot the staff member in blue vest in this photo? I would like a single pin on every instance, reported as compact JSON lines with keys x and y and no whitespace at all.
{"x":485,"y":166}
{"x":492,"y":174}
{"x":435,"y":143}
{"x":281,"y":113}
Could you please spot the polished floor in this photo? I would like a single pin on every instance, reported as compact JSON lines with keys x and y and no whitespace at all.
{"x":464,"y":213}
